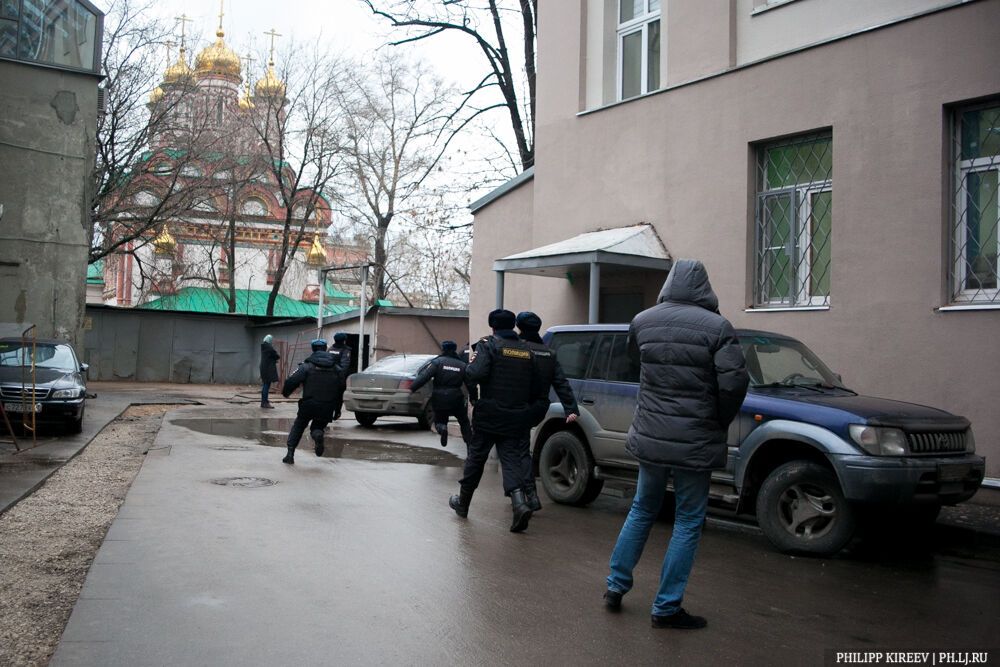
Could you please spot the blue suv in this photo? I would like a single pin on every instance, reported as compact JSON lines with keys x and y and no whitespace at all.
{"x":805,"y":453}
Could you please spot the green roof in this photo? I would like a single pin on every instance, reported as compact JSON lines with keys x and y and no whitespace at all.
{"x":208,"y":300}
{"x":383,"y":302}
{"x":95,"y":273}
{"x":334,"y":293}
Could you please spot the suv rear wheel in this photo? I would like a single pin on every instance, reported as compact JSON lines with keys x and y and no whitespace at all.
{"x":567,"y":470}
{"x":801,"y":509}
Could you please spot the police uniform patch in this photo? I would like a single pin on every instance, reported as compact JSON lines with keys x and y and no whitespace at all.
{"x":517,"y":354}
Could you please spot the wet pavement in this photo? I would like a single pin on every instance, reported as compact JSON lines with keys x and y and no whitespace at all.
{"x":222,"y":555}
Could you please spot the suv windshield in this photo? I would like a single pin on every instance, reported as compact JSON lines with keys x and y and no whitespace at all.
{"x":46,"y":355}
{"x":784,"y":362}
{"x":400,"y":363}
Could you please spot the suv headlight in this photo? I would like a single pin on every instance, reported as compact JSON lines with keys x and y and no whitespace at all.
{"x":970,"y":442}
{"x":67,"y":393}
{"x":878,"y":440}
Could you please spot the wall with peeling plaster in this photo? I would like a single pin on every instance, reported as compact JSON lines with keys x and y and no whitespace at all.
{"x":48,"y":122}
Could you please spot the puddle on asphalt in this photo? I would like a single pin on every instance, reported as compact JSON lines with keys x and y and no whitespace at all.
{"x":273,"y":432}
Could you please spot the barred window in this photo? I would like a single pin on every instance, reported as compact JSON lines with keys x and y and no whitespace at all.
{"x":792,"y":222}
{"x":975,"y":210}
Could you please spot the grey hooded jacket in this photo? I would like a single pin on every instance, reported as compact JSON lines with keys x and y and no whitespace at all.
{"x":693,"y":376}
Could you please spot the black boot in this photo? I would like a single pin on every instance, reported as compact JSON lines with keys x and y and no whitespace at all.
{"x":522,"y":512}
{"x":460,"y":503}
{"x":442,"y":430}
{"x":531,"y":494}
{"x":290,"y":456}
{"x":317,"y":437}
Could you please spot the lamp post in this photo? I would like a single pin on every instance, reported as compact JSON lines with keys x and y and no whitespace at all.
{"x":364,"y":304}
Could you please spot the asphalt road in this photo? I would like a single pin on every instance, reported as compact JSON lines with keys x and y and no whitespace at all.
{"x":355,"y":558}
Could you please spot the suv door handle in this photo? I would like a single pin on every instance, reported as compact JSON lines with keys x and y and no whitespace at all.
{"x":587,"y":401}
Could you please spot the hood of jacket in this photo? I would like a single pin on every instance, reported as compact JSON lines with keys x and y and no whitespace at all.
{"x":688,"y":283}
{"x":322,"y":359}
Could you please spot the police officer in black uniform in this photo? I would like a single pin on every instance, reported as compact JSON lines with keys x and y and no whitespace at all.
{"x":548,"y":374}
{"x":343,"y":354}
{"x":503,"y":367}
{"x":447,"y":371}
{"x":319,"y":376}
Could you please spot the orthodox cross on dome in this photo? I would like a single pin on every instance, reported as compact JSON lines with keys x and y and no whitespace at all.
{"x":222,"y":12}
{"x":248,"y":59}
{"x":170,"y":44}
{"x":183,"y":20}
{"x":272,"y":33}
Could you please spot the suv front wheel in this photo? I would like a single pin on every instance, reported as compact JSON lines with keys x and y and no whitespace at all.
{"x":567,"y":470}
{"x":801,"y":509}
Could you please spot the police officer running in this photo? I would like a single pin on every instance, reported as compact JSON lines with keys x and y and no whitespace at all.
{"x":548,"y":373}
{"x":343,"y":353}
{"x":447,"y":371}
{"x":503,"y":367}
{"x":320,"y":376}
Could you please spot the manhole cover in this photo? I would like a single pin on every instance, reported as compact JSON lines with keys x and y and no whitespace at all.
{"x":232,"y":448}
{"x":244,"y":482}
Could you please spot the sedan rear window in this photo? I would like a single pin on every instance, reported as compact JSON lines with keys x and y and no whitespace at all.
{"x":400,"y":363}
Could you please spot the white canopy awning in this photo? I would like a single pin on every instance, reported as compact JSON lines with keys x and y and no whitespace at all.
{"x":636,"y":247}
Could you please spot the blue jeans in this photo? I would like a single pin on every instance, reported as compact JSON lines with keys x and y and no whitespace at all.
{"x":264,"y":392}
{"x":691,"y":490}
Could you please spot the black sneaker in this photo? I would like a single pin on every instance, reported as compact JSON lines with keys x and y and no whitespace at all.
{"x":613,"y":600}
{"x":680,"y":619}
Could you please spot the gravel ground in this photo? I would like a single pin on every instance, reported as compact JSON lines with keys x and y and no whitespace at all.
{"x":48,"y":540}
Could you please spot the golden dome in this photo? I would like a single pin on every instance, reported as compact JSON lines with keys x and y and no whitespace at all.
{"x":164,"y":244}
{"x":156,"y":95}
{"x":218,"y":59}
{"x":270,"y":85}
{"x":179,"y":71}
{"x":316,"y":255}
{"x":245,"y":102}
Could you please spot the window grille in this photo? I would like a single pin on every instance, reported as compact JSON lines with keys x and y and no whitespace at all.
{"x":793,"y":222}
{"x":975,"y":241}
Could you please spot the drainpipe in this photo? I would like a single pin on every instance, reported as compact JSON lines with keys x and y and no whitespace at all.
{"x":595,"y":292}
{"x":361,"y":319}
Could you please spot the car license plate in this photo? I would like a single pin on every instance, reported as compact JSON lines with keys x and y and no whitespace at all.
{"x":953,"y":472}
{"x":21,"y":407}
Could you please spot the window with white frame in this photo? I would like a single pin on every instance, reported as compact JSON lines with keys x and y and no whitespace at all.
{"x":975,"y":208}
{"x":793,"y":222}
{"x":638,"y":47}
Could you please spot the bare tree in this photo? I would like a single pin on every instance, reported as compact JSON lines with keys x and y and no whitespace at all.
{"x":485,"y":23}
{"x":297,"y":121}
{"x":136,"y":185}
{"x":400,"y":121}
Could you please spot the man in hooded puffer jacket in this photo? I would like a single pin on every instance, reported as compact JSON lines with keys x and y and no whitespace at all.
{"x":692,"y":382}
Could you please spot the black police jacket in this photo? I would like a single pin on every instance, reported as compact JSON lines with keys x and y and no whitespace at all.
{"x":320,"y":379}
{"x":548,"y":374}
{"x":503,"y":368}
{"x":343,"y":355}
{"x":448,"y":373}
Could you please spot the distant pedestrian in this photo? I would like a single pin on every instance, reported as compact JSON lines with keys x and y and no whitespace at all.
{"x":548,"y":375}
{"x":319,"y":376}
{"x":268,"y":370}
{"x":343,"y":354}
{"x":692,"y":382}
{"x":447,"y":371}
{"x":502,"y":366}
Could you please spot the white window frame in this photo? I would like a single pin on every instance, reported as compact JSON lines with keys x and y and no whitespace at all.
{"x":802,"y":232}
{"x":961,"y":228}
{"x":639,"y":23}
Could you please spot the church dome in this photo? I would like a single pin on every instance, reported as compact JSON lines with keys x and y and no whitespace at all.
{"x":156,"y":96}
{"x":218,"y":59}
{"x":245,"y":102}
{"x":316,"y":255}
{"x":270,"y":85}
{"x":178,"y":72}
{"x":164,"y":244}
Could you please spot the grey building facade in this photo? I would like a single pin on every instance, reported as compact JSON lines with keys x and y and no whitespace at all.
{"x":49,"y":75}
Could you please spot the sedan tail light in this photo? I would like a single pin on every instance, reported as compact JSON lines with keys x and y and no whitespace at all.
{"x":405,"y":384}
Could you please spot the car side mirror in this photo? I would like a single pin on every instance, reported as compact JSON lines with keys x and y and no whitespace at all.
{"x":84,"y":368}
